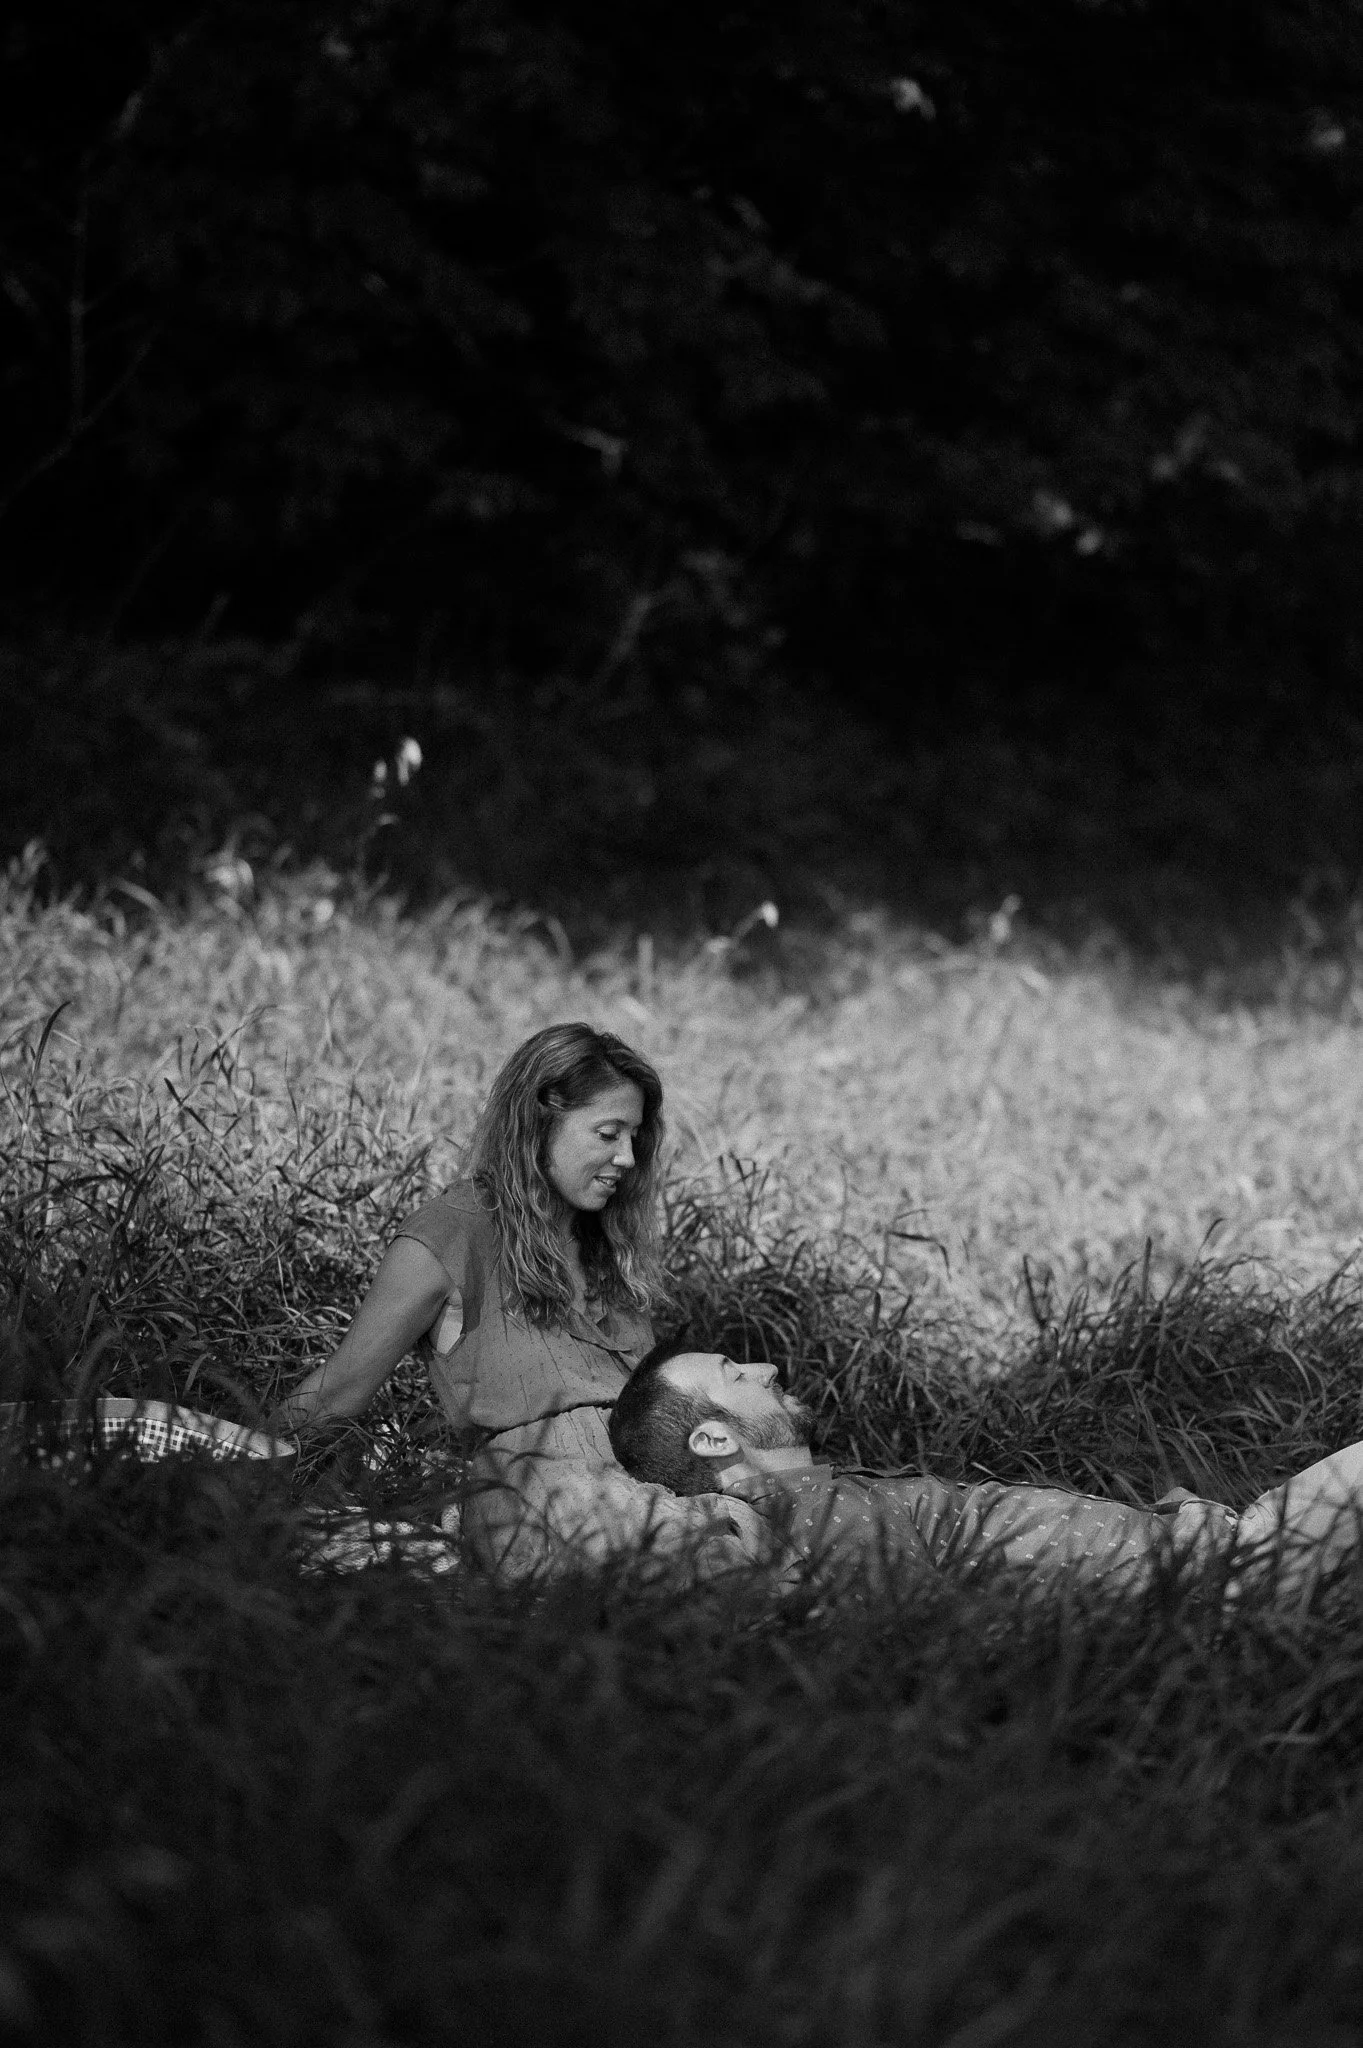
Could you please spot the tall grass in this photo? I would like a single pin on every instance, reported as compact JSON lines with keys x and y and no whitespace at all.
{"x":975,"y":1104}
{"x":145,"y":1251}
{"x":245,"y":1802}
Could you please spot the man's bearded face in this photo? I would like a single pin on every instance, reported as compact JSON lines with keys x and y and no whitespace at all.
{"x":747,"y":1395}
{"x":783,"y":1429}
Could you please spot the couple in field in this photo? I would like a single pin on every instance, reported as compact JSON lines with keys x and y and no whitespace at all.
{"x":529,"y":1288}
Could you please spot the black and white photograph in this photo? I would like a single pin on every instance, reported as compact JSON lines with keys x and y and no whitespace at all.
{"x":681,"y":1024}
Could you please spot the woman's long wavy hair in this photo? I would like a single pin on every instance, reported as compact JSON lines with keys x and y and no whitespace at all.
{"x":562,"y":1068}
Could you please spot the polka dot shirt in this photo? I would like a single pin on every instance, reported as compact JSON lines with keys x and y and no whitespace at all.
{"x":914,"y":1522}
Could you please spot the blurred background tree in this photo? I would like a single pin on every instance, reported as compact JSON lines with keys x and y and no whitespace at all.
{"x":987,"y":369}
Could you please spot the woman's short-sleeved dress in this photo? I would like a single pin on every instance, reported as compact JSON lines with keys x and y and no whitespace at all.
{"x":527,"y":1386}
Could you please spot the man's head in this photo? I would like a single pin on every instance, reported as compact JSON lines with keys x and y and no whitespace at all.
{"x":688,"y":1420}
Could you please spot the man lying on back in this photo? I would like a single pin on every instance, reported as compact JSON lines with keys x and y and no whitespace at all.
{"x":698,"y":1422}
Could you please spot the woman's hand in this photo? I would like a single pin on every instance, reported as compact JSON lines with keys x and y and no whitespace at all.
{"x":409,"y":1291}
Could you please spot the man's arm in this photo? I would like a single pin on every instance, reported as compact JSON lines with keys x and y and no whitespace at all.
{"x":1299,"y":1532}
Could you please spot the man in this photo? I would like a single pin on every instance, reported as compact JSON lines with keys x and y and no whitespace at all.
{"x":698,"y":1422}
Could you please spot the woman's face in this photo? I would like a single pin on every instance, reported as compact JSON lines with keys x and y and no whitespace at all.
{"x":593,"y":1147}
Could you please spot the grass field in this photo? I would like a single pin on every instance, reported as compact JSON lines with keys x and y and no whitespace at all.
{"x":246,"y":1803}
{"x":980,"y":1104}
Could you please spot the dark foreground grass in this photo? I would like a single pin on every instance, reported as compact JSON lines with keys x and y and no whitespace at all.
{"x":247,"y":1800}
{"x":244,"y":1803}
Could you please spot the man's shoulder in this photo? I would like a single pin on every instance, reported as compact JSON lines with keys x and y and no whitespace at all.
{"x":798,"y":1478}
{"x":831,"y":1514}
{"x":822,"y":1477}
{"x":807,"y":1485}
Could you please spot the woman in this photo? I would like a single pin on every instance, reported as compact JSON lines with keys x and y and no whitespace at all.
{"x":527,"y":1287}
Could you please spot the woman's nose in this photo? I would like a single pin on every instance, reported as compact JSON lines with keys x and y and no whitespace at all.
{"x":624,"y":1154}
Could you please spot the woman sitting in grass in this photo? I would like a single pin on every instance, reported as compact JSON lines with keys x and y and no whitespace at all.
{"x":527,"y":1286}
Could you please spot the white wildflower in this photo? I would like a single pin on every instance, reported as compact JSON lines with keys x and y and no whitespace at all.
{"x":908,"y":97}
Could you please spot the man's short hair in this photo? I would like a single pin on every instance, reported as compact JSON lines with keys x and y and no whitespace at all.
{"x":651,"y":1424}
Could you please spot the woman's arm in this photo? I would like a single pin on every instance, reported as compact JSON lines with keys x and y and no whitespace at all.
{"x":409,"y":1291}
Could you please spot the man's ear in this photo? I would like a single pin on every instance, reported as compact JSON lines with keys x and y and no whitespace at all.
{"x":712,"y":1440}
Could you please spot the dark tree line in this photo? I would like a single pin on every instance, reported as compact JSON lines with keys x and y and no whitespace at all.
{"x":987,"y":338}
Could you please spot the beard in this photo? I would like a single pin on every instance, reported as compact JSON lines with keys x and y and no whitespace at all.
{"x":784,"y":1430}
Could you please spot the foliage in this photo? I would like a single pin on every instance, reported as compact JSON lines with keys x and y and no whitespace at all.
{"x":955,"y":341}
{"x":1209,"y":848}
